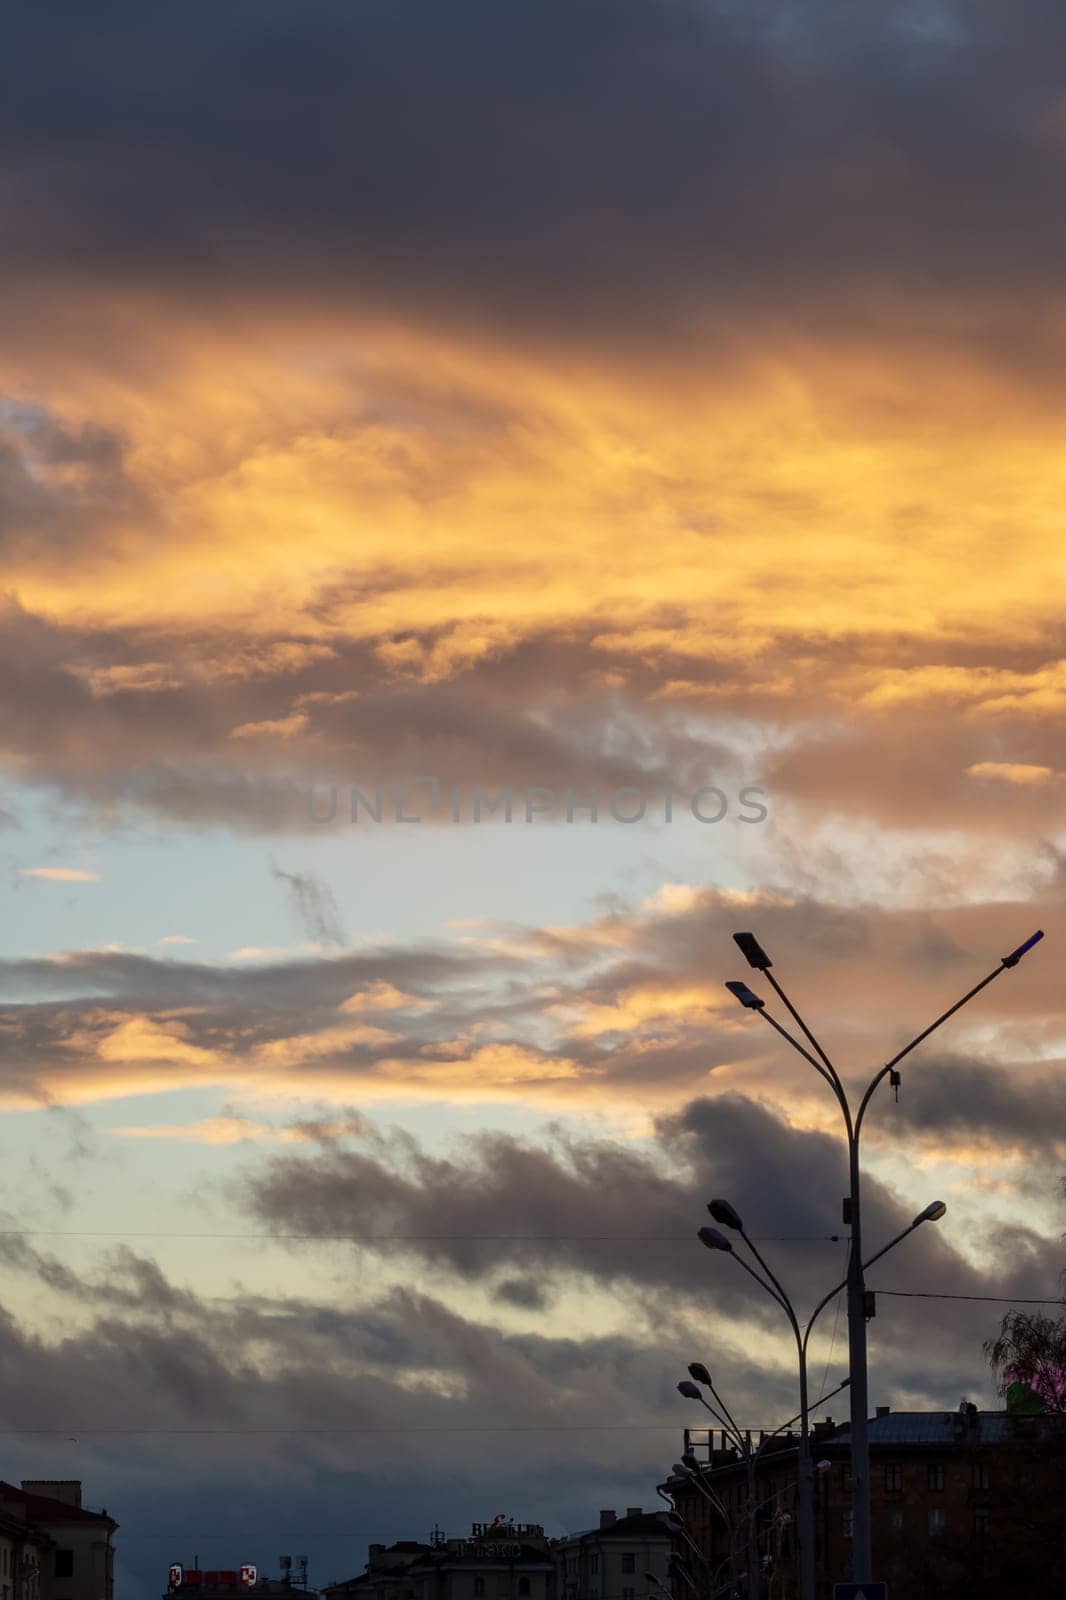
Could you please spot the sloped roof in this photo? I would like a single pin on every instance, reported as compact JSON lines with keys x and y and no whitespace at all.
{"x":646,"y":1524}
{"x":45,"y":1508}
{"x":936,"y":1427}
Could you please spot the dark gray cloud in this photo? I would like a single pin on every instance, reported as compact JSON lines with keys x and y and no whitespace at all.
{"x":62,"y":488}
{"x":606,"y":1211}
{"x":1009,"y":1106}
{"x":664,"y":154}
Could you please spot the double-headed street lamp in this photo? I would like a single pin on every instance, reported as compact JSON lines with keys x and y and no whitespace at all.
{"x":690,"y":1467}
{"x":756,"y":957}
{"x":723,"y":1212}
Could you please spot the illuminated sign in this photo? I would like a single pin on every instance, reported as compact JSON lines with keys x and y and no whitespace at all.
{"x":186,"y":1578}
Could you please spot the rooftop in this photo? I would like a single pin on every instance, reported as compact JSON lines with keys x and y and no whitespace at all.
{"x":938,"y":1428}
{"x":641,"y":1524}
{"x":48,"y":1508}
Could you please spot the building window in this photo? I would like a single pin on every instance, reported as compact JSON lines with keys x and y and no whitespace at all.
{"x":628,"y":1594}
{"x":895,"y":1521}
{"x":936,"y":1475}
{"x":936,"y":1520}
{"x":479,"y":1585}
{"x":849,"y":1519}
{"x":982,"y":1521}
{"x":981,"y":1479}
{"x":847,"y":1479}
{"x":64,"y":1564}
{"x":523,"y":1585}
{"x":894,"y":1478}
{"x":629,"y":1561}
{"x":594,"y":1563}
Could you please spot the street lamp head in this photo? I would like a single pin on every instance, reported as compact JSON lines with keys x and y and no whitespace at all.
{"x":714,"y":1240}
{"x":746,"y":996}
{"x":726,"y":1214}
{"x":1016,"y":955}
{"x":688,"y":1389}
{"x":822,"y":1466}
{"x":752,"y":951}
{"x":698,"y":1371}
{"x":932,"y":1213}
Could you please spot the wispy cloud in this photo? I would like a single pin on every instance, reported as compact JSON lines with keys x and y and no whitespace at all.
{"x":207,"y":1130}
{"x":60,"y":874}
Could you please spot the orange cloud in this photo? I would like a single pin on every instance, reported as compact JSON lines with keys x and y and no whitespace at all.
{"x":208,"y":1130}
{"x":1013,"y":772}
{"x":59,"y":874}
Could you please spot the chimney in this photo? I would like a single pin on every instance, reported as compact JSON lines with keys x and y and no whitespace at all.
{"x":66,"y":1489}
{"x":607,"y":1519}
{"x":633,"y":1511}
{"x":884,"y":1411}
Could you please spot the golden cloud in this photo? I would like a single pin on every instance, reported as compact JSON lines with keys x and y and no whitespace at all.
{"x":59,"y":874}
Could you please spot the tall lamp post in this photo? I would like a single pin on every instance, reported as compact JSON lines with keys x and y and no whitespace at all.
{"x":757,"y":958}
{"x":723,"y":1212}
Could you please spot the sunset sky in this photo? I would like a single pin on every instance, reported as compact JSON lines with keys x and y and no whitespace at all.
{"x":580,"y":395}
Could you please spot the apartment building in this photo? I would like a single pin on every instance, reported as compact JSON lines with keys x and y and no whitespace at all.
{"x":964,"y":1503}
{"x":67,"y":1552}
{"x":623,"y":1558}
{"x":22,"y":1551}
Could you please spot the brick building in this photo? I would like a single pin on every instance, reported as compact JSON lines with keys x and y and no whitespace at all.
{"x":623,"y":1558}
{"x":964,"y":1503}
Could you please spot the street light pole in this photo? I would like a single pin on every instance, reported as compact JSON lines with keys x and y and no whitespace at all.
{"x":725,"y":1213}
{"x":690,"y":1466}
{"x":756,"y":957}
{"x":805,"y":1483}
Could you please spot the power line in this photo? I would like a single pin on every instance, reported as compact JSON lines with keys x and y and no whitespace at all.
{"x":75,"y":1429}
{"x":406,"y":1238}
{"x":1001,"y":1299}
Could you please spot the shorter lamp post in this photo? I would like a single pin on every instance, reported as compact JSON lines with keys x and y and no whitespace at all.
{"x":691,"y":1466}
{"x":723,"y":1212}
{"x":677,"y":1525}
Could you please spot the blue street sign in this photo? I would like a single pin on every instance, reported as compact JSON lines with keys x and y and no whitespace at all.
{"x":860,"y":1591}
